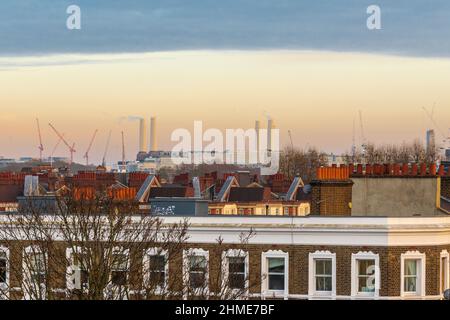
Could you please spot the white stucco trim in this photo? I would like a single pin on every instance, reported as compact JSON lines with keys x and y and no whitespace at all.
{"x":421,"y":272}
{"x":365,"y":255}
{"x":265,"y":292}
{"x":4,"y":287}
{"x":312,"y":293}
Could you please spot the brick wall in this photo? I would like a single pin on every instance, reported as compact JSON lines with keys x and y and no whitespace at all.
{"x":331,"y":198}
{"x":389,"y":258}
{"x":445,"y":187}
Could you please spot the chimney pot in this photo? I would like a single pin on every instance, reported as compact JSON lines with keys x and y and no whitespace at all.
{"x":414,"y":169}
{"x":396,"y":169}
{"x":359,"y":169}
{"x":351,"y":168}
{"x":441,"y":170}
{"x":423,"y":169}
{"x":433,"y":169}
{"x":405,"y":169}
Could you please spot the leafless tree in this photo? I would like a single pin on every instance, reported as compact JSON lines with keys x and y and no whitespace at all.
{"x":301,"y":162}
{"x":413,"y":152}
{"x":95,"y":248}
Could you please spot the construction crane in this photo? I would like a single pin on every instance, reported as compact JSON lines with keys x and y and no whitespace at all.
{"x":71,"y":148}
{"x":353,"y":142}
{"x":54,"y":149}
{"x":40,"y":147}
{"x":106,"y":149}
{"x":441,"y":132}
{"x":86,"y":154}
{"x":363,"y":137}
{"x":290,"y":138}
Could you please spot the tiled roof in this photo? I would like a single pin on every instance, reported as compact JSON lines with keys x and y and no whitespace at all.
{"x":10,"y":192}
{"x":165,"y":192}
{"x":252,"y":194}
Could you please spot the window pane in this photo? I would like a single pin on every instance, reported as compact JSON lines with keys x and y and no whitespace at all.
{"x":366,"y":284}
{"x":410,"y":284}
{"x":197,"y":279}
{"x":119,"y":278}
{"x":157,"y":263}
{"x":323,"y":283}
{"x":276,"y":265}
{"x":366,"y":267}
{"x":276,"y":282}
{"x":197,"y":263}
{"x":237,"y":281}
{"x":236,"y":264}
{"x":323,"y":266}
{"x":120,"y":262}
{"x":410,"y":267}
{"x":157,"y":278}
{"x":2,"y":269}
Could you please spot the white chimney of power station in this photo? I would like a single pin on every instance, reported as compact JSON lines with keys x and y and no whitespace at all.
{"x":269,"y":134}
{"x":142,"y":135}
{"x":257,"y":137}
{"x":153,"y":143}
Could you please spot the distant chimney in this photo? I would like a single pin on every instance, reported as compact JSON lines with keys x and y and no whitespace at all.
{"x":257,"y":137}
{"x":153,"y":143}
{"x":269,"y":134}
{"x":142,"y":135}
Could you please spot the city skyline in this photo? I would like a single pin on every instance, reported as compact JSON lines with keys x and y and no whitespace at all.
{"x":316,"y":95}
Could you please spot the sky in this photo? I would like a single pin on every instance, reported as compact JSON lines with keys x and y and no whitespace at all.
{"x":309,"y":65}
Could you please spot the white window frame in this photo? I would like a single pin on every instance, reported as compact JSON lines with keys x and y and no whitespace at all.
{"x":146,"y":267}
{"x":27,"y":273}
{"x":421,"y":268}
{"x":312,"y":275}
{"x":4,"y":287}
{"x":265,"y":273}
{"x":235,"y":253}
{"x":355,"y":276}
{"x":186,"y":270}
{"x":71,"y":268}
{"x":444,"y":255}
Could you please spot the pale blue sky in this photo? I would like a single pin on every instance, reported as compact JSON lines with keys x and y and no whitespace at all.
{"x":410,"y":27}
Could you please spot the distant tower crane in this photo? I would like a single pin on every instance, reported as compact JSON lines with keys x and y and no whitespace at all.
{"x":86,"y":154}
{"x":40,"y":147}
{"x":106,"y":149}
{"x":71,"y":148}
{"x":441,"y":132}
{"x":290,"y":138}
{"x":53,"y":151}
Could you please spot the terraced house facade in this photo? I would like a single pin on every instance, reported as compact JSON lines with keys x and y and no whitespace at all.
{"x":286,"y":258}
